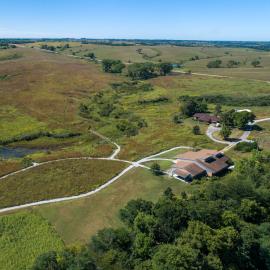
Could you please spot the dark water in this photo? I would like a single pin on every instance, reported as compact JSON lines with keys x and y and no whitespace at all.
{"x":17,"y":152}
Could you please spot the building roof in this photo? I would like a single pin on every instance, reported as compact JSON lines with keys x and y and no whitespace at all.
{"x":182,"y":173}
{"x":215,"y":166}
{"x":201,"y":154}
{"x":205,"y":117}
{"x":205,"y":160}
{"x":189,"y":168}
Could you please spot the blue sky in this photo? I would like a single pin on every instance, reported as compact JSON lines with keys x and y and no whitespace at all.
{"x":153,"y":19}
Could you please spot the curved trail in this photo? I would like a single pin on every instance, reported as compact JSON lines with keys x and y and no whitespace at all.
{"x":244,"y":137}
{"x":112,"y":157}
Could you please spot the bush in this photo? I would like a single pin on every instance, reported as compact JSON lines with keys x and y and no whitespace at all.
{"x":153,"y":101}
{"x":177,"y":119}
{"x":128,"y":128}
{"x":246,"y":146}
{"x":190,"y":107}
{"x":196,"y":130}
{"x":155,"y":169}
{"x":214,"y":64}
{"x":112,"y":66}
{"x":141,"y":71}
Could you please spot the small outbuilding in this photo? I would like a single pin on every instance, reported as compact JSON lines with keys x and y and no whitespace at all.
{"x":206,"y":118}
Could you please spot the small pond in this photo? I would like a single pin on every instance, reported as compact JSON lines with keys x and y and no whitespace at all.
{"x":16,"y":152}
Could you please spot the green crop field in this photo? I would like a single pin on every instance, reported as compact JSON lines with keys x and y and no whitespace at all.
{"x":55,"y":180}
{"x":23,"y":237}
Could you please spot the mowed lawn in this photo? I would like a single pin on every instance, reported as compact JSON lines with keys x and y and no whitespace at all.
{"x":23,"y":237}
{"x":76,"y":221}
{"x":55,"y":180}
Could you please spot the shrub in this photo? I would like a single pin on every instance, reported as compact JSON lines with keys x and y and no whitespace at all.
{"x":214,"y":64}
{"x":196,"y":130}
{"x":177,"y":119}
{"x":225,"y":131}
{"x":246,"y":146}
{"x":141,"y":71}
{"x":112,"y":66}
{"x":155,"y":169}
{"x":153,"y":101}
{"x":190,"y":107}
{"x":128,"y":128}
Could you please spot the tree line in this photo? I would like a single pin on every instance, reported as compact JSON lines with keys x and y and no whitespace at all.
{"x":137,"y":71}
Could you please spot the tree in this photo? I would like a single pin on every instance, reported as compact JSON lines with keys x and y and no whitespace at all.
{"x":218,"y":109}
{"x":164,"y":68}
{"x":177,"y":119}
{"x":255,"y":63}
{"x":190,"y":107}
{"x":214,"y":64}
{"x":141,"y":71}
{"x":27,"y":162}
{"x":133,"y":207}
{"x":241,"y":119}
{"x":232,"y":63}
{"x":225,"y":131}
{"x":227,"y":118}
{"x":171,"y":257}
{"x":46,"y":261}
{"x":251,"y":211}
{"x":112,"y":66}
{"x":128,"y":128}
{"x":155,"y":168}
{"x":196,"y":130}
{"x":106,"y":239}
{"x":90,"y":55}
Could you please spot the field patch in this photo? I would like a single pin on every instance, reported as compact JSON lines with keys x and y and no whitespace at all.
{"x":55,"y":180}
{"x":76,"y":221}
{"x":23,"y":237}
{"x":13,"y":123}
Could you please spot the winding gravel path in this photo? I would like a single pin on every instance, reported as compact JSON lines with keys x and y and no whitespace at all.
{"x":112,"y":157}
{"x":244,"y":137}
{"x":211,"y":129}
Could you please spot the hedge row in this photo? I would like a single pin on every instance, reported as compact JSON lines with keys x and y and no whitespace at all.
{"x":33,"y":136}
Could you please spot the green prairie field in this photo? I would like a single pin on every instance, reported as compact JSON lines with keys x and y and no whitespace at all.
{"x":23,"y":237}
{"x":56,"y":180}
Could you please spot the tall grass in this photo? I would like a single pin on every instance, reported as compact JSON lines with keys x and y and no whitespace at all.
{"x":23,"y":237}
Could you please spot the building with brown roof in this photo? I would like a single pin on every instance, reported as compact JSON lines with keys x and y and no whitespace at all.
{"x":207,"y":118}
{"x":197,"y":164}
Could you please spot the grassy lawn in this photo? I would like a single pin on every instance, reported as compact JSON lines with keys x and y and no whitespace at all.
{"x":54,"y":180}
{"x":77,"y":221}
{"x":164,"y":164}
{"x":23,"y":237}
{"x":236,"y":134}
